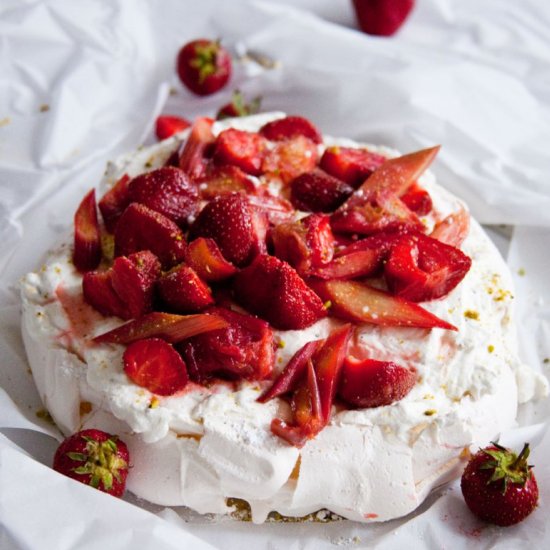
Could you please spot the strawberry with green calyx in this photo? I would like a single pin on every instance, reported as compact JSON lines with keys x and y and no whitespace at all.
{"x":239,"y":107}
{"x":94,"y":458}
{"x":499,"y":486}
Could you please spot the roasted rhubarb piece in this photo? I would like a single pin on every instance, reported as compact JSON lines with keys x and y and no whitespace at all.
{"x":350,"y":165}
{"x":183,"y":291}
{"x":361,"y":303}
{"x":114,"y":202}
{"x":239,"y":148}
{"x":155,"y":365}
{"x":371,"y":383}
{"x":205,"y":257}
{"x":192,"y":153}
{"x":273,"y":290}
{"x":242,"y":349}
{"x":453,"y":229}
{"x":168,"y":326}
{"x":290,"y":127}
{"x":87,"y":240}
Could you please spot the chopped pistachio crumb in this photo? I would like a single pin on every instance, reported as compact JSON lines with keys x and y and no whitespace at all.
{"x":471,"y":314}
{"x":428,"y":396}
{"x":43,"y":414}
{"x":327,"y":304}
{"x":430,"y":412}
{"x":154,"y":403}
{"x":546,"y":360}
{"x":281,"y":344}
{"x":521,"y":271}
{"x":490,"y":348}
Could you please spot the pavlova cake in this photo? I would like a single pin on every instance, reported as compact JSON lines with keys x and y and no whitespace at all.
{"x":269,"y":317}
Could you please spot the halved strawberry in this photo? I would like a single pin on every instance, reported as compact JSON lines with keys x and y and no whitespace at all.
{"x":224,"y":179}
{"x":290,"y":158}
{"x":133,"y":279}
{"x":155,"y":365}
{"x":98,"y":291}
{"x":166,"y":190}
{"x":240,"y":148}
{"x":87,"y":240}
{"x":417,"y":199}
{"x":360,"y":303}
{"x":183,"y":291}
{"x":192,"y":153}
{"x":317,"y":191}
{"x":370,"y":383}
{"x":114,"y":202}
{"x":290,"y":127}
{"x":273,"y":290}
{"x":205,"y":257}
{"x":168,"y":326}
{"x":166,"y":126}
{"x":351,"y":165}
{"x":420,"y":268}
{"x":141,"y":228}
{"x":235,"y":225}
{"x":244,"y":349}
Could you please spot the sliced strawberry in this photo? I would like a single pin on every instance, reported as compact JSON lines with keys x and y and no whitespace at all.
{"x":155,"y":365}
{"x":453,"y":229}
{"x":166,"y":126}
{"x":114,"y":202}
{"x":292,"y":373}
{"x":417,"y":199}
{"x":204,"y":256}
{"x":141,"y":228}
{"x":133,"y":279}
{"x":290,"y":158}
{"x":273,"y":290}
{"x":360,"y":303}
{"x":277,"y":209}
{"x":290,"y":127}
{"x":224,"y":179}
{"x":192,"y":153}
{"x":183,"y":291}
{"x":168,"y":326}
{"x":168,"y":191}
{"x":420,"y":268}
{"x":350,"y":165}
{"x":370,"y":383}
{"x":98,"y":291}
{"x":235,"y":225}
{"x":328,"y":361}
{"x":244,"y":349}
{"x":87,"y":240}
{"x":317,"y":191}
{"x":240,"y":148}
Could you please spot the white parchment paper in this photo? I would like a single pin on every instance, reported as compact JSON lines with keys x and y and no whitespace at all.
{"x":82,"y":82}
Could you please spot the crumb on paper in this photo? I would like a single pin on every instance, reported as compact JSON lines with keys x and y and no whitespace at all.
{"x":173,"y":91}
{"x":43,"y":414}
{"x":44,"y":108}
{"x":5,"y":121}
{"x":521,"y":272}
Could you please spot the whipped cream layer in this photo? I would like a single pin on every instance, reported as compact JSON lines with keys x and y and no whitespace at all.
{"x":203,"y":445}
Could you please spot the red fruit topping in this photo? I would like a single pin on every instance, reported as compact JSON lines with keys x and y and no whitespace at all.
{"x":204,"y":256}
{"x":239,"y":148}
{"x":192,"y":153}
{"x":500,"y":486}
{"x":166,"y":126}
{"x":318,"y":191}
{"x":239,"y":107}
{"x":141,"y":228}
{"x":239,"y":231}
{"x":224,"y":179}
{"x":168,"y":326}
{"x":382,"y":17}
{"x":98,"y":291}
{"x":453,"y":229}
{"x":155,"y":365}
{"x":168,"y":191}
{"x":370,"y":383}
{"x":183,"y":291}
{"x":350,"y":165}
{"x":290,"y":127}
{"x":204,"y":66}
{"x":94,"y":458}
{"x":244,"y":349}
{"x":290,"y":158}
{"x":277,"y":209}
{"x":133,"y":279}
{"x":87,"y":240}
{"x":376,"y":206}
{"x":293,"y":372}
{"x":114,"y":202}
{"x":418,"y":200}
{"x":273,"y":290}
{"x":420,"y":268}
{"x":360,"y":303}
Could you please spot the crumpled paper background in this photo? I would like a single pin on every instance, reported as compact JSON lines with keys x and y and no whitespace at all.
{"x":82,"y":82}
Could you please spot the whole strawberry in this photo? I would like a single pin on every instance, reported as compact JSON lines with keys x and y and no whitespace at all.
{"x":204,"y":66}
{"x":95,"y":458}
{"x":499,"y":486}
{"x":382,"y":17}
